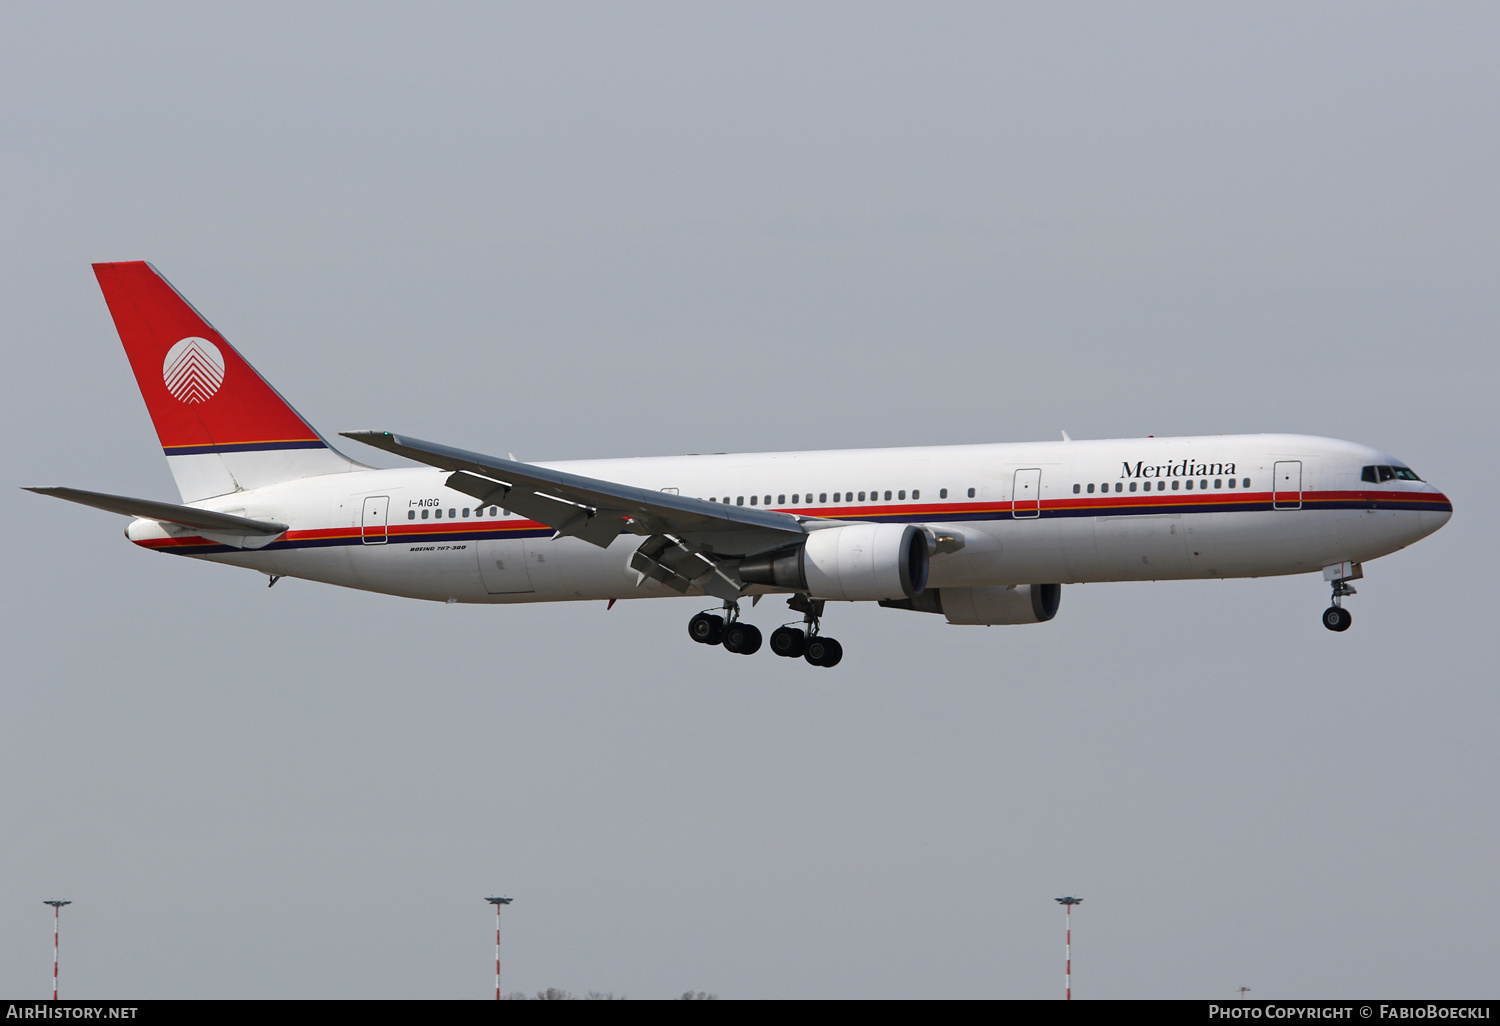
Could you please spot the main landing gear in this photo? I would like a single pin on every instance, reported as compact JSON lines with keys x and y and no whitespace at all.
{"x":792,"y":642}
{"x":737,"y":636}
{"x":729,"y":630}
{"x":1336,"y":617}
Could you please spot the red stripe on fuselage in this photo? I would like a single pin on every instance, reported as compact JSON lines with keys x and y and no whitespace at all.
{"x":1205,"y":503}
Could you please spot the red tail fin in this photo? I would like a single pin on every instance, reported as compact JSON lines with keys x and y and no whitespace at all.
{"x":204,"y":399}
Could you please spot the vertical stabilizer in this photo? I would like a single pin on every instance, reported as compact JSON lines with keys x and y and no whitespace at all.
{"x":223,"y":427}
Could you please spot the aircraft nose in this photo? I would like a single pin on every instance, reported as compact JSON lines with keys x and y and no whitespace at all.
{"x":1440,"y":513}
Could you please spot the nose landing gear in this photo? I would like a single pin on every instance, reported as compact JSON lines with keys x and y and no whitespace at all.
{"x":1336,"y":617}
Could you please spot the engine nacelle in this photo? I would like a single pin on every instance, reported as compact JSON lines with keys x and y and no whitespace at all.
{"x":859,"y":562}
{"x":991,"y":606}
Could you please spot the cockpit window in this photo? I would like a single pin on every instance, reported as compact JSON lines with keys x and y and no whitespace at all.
{"x":1377,"y":474}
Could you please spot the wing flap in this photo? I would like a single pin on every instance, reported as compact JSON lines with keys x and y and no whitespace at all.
{"x":569,"y":519}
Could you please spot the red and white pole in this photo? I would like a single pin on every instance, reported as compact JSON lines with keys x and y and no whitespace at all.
{"x":56,"y":920}
{"x":1068,"y":955}
{"x":1067,"y":904}
{"x":499,"y":903}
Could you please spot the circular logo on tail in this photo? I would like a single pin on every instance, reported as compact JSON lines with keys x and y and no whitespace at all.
{"x":193,"y":370}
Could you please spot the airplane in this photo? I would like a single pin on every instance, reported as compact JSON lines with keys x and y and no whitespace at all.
{"x":979,"y":534}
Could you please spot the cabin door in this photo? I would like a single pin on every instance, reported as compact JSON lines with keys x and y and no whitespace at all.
{"x":1286,"y":485}
{"x":1026,"y":494}
{"x":372,"y":522}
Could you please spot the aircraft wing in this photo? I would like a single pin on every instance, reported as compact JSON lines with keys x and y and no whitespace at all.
{"x":687,"y":538}
{"x":167,"y":512}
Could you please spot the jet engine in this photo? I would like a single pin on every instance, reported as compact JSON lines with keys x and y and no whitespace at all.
{"x":992,"y":606}
{"x":855,"y":562}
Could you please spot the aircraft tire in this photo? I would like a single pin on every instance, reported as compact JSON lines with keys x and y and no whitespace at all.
{"x":750,"y":642}
{"x":1337,"y":618}
{"x":742,"y":638}
{"x":823,"y":651}
{"x":788,"y":641}
{"x":706,"y":629}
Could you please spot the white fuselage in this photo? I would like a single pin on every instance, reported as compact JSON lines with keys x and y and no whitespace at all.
{"x":1053,"y":512}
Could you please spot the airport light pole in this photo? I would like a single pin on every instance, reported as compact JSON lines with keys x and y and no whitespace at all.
{"x":1068,"y":903}
{"x":56,"y":917}
{"x":498,"y":903}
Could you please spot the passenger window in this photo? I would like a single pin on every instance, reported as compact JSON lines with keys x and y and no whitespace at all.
{"x":822,"y":496}
{"x":861,"y":496}
{"x":943,"y":493}
{"x":1132,"y":486}
{"x":1091,"y":488}
{"x":768,"y":500}
{"x":1246,"y":482}
{"x":795,"y":497}
{"x":495,"y":510}
{"x":848,"y":496}
{"x":971,"y":493}
{"x":837,"y":496}
{"x":915,"y":494}
{"x":452,"y":513}
{"x":466,"y":512}
{"x":739,"y":500}
{"x":1202,"y":484}
{"x":781,"y":500}
{"x":753,"y":498}
{"x":888,"y":496}
{"x":424,"y":513}
{"x":1189,"y":484}
{"x":1218,"y":482}
{"x":1175,"y":484}
{"x":411,"y":514}
{"x":1231,"y":482}
{"x":1161,"y":486}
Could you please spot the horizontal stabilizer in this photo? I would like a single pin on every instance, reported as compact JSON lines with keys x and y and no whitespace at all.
{"x":167,"y":512}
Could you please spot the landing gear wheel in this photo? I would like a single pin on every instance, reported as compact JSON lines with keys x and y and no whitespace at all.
{"x":706,"y":629}
{"x":1337,"y":618}
{"x":788,"y":641}
{"x":823,"y":651}
{"x":742,"y":638}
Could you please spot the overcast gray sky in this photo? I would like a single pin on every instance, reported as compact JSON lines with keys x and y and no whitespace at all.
{"x":603,"y":230}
